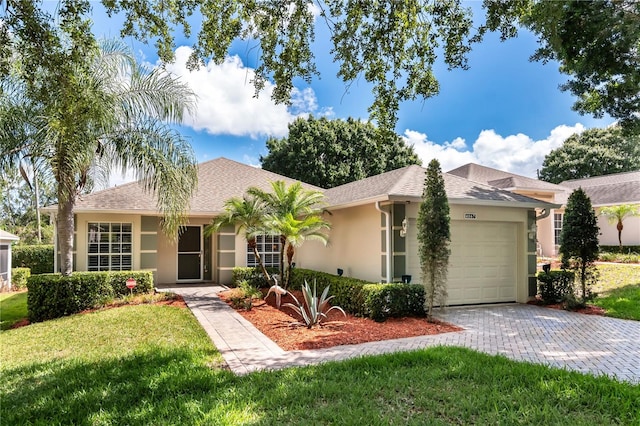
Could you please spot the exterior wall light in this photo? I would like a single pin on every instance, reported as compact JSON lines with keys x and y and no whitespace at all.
{"x":403,"y":231}
{"x":533,"y":230}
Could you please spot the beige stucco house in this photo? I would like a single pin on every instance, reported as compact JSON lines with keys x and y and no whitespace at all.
{"x":373,"y":236}
{"x":6,"y":239}
{"x":610,"y":190}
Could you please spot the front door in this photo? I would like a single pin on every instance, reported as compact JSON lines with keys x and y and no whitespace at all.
{"x":190,"y":254}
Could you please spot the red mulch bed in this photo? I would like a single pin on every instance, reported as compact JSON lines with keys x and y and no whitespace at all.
{"x":588,"y":310}
{"x":281,"y":326}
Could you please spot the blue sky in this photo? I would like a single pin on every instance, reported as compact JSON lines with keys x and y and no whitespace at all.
{"x":504,"y":112}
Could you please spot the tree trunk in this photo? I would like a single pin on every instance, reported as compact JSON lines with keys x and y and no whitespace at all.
{"x":64,"y":225}
{"x":290,"y":253}
{"x":37,"y":193}
{"x":620,"y":227}
{"x":283,"y":244}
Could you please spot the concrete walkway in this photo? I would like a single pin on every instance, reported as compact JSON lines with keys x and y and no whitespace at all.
{"x":585,"y":343}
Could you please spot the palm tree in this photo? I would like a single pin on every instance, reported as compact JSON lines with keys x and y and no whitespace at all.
{"x":296,"y":232}
{"x":100,"y":112}
{"x":285,"y":204}
{"x":617,"y":214}
{"x":247,"y":214}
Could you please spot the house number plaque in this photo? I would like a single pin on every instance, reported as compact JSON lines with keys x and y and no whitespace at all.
{"x":470,"y":216}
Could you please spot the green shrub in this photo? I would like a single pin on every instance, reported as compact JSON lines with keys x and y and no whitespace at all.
{"x":39,"y":258}
{"x":616,"y":249}
{"x":253,"y":276}
{"x":53,"y":296}
{"x":365,"y":299}
{"x":19,"y":278}
{"x":619,"y":257}
{"x":555,"y":286}
{"x":393,"y":300}
{"x":118,"y":281}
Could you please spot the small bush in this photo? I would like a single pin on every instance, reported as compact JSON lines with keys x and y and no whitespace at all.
{"x":19,"y":278}
{"x":384,"y":301}
{"x":619,"y":257}
{"x":39,"y":258}
{"x":53,"y":296}
{"x":253,"y":276}
{"x":555,"y":286}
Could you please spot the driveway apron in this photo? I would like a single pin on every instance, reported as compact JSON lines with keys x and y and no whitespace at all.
{"x":584,"y":343}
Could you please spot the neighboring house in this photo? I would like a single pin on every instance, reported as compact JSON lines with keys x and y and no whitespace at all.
{"x":373,"y":234}
{"x":615,"y":189}
{"x":611,"y":190}
{"x":549,"y":223}
{"x":6,"y":239}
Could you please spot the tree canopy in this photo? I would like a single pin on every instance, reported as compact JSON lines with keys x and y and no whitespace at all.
{"x":329,"y":153}
{"x":595,"y":152}
{"x":597,"y":43}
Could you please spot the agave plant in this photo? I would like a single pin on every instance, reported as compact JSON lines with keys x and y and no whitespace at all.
{"x":314,"y":309}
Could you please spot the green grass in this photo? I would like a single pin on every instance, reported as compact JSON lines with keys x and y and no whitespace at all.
{"x":150,"y":364}
{"x":622,"y":302}
{"x":616,"y":276}
{"x":13,"y":308}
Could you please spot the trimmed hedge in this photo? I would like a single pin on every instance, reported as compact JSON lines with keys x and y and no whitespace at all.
{"x":253,"y":276}
{"x":554,"y":286}
{"x":53,"y":295}
{"x":19,"y":278}
{"x":358,"y":297}
{"x":393,"y":300}
{"x":39,"y":258}
{"x":616,"y":249}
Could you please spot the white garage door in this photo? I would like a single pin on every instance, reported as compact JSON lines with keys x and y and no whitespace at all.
{"x":482,"y":265}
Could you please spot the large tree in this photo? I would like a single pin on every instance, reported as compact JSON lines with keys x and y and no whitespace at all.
{"x":594,"y":152}
{"x":329,"y":153}
{"x":597,"y":43}
{"x":579,"y":239}
{"x":97,"y":110}
{"x":391,"y":45}
{"x":434,"y":236}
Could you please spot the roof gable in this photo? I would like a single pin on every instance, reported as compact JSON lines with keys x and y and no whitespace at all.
{"x":502,"y":179}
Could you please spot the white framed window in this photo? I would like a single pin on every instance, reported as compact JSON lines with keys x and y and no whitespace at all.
{"x":557,"y":228}
{"x":269,"y":249}
{"x":110,"y":246}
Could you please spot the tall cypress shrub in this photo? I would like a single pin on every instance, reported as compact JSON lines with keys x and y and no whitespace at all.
{"x":579,"y":239}
{"x":434,"y":236}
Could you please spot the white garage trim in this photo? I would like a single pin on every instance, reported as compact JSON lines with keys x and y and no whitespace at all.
{"x":483,"y":266}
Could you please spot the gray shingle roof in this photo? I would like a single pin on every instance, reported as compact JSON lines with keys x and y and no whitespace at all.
{"x":7,"y":236}
{"x":619,"y":188}
{"x":503,"y":180}
{"x":218,"y":180}
{"x":221,"y":179}
{"x":408,"y":182}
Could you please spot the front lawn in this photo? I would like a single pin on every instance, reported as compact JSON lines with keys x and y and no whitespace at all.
{"x":13,"y":308}
{"x":619,"y":291}
{"x":150,"y":364}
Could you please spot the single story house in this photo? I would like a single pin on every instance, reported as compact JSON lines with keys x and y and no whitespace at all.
{"x":609,"y":190}
{"x":373,"y":235}
{"x":6,"y":239}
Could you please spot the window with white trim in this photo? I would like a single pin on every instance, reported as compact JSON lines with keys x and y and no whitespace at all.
{"x":109,"y":246}
{"x":557,"y":228}
{"x":269,"y":249}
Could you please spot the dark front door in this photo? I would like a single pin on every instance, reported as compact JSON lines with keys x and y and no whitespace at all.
{"x":190,"y":254}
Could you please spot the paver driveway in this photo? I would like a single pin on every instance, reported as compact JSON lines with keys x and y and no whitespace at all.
{"x":563,"y":339}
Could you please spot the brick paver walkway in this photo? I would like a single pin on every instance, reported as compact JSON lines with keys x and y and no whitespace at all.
{"x":563,"y":339}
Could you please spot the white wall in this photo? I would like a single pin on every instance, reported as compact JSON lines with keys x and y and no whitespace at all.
{"x":609,"y":232}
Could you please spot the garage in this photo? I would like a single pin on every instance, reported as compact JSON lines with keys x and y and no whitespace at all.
{"x":483,"y":261}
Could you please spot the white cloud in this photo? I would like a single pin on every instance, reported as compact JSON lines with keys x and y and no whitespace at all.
{"x":514,"y":153}
{"x":226,"y":101}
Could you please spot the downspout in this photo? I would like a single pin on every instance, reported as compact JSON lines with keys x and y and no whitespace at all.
{"x":52,"y":218}
{"x":545,"y":213}
{"x":388,"y":238}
